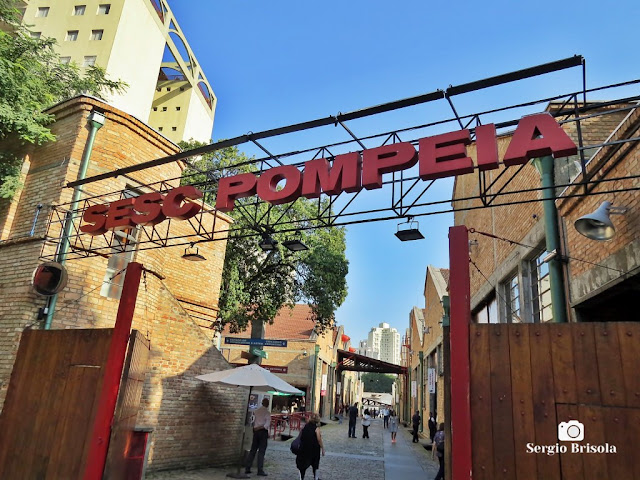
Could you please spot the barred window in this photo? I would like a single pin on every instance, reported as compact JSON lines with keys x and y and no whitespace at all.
{"x":541,"y":290}
{"x":79,"y":9}
{"x":512,"y":299}
{"x":96,"y":34}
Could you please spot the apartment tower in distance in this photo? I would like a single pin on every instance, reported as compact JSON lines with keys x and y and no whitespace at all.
{"x":141,"y":43}
{"x":386,"y":341}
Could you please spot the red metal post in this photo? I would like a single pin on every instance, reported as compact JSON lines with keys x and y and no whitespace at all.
{"x":460,"y":318}
{"x":113,"y":372}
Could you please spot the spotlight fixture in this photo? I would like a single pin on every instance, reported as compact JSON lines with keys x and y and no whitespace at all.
{"x":191,"y":254}
{"x":295,"y":243}
{"x":267,"y":243}
{"x":408,"y":230}
{"x":598,"y":225}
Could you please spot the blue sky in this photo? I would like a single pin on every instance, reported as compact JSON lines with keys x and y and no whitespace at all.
{"x":281,"y":62}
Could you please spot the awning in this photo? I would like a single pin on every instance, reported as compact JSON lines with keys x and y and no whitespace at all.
{"x":360,"y":363}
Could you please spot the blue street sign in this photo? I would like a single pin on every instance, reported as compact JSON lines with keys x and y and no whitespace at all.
{"x":262,"y":342}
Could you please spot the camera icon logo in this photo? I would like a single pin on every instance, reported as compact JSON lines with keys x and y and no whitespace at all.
{"x":571,"y":431}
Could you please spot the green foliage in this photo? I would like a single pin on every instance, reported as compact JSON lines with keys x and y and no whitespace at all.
{"x":31,"y":80}
{"x":377,"y":382}
{"x":255,"y":284}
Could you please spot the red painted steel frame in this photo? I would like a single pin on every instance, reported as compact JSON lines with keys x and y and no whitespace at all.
{"x":460,"y":318}
{"x":113,"y":372}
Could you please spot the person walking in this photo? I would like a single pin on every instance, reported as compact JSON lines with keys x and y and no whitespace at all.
{"x":438,"y":441}
{"x":366,"y":421}
{"x":432,"y":426}
{"x":393,"y":425}
{"x":311,"y":447}
{"x":386,"y":413}
{"x":416,"y":423}
{"x":261,"y":424}
{"x":353,"y":416}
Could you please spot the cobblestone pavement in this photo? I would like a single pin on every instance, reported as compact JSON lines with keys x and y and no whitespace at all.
{"x":346,"y":458}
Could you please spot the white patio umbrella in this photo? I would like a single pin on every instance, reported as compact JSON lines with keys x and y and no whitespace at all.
{"x":252,"y":376}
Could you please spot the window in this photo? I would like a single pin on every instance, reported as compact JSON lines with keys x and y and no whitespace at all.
{"x":164,"y":109}
{"x":65,"y":60}
{"x":104,"y":9}
{"x":35,"y":34}
{"x":159,"y":129}
{"x":96,"y":34}
{"x":155,"y":109}
{"x":177,"y":109}
{"x":42,"y":12}
{"x":173,"y":129}
{"x":72,"y":36}
{"x":123,"y":247}
{"x":158,"y":89}
{"x":89,"y":61}
{"x":541,"y":290}
{"x":182,"y":89}
{"x":487,"y":311}
{"x":79,"y":9}
{"x":168,"y":89}
{"x":512,"y":299}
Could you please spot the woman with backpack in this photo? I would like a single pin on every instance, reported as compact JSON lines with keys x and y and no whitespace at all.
{"x":310,"y":447}
{"x":438,"y":447}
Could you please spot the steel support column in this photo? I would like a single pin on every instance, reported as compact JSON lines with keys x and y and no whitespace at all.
{"x":459,"y":371}
{"x":97,"y":456}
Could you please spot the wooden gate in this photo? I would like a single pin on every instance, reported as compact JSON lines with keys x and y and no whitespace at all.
{"x":528,"y":378}
{"x":51,"y":403}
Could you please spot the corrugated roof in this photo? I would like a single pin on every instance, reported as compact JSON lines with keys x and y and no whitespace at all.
{"x":290,"y":324}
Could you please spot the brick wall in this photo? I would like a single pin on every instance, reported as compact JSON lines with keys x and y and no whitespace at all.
{"x":524,"y":223}
{"x":194,"y":423}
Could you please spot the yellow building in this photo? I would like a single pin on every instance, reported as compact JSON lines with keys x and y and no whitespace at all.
{"x":140,"y":43}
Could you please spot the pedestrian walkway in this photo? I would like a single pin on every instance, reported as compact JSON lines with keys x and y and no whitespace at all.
{"x":375,"y":458}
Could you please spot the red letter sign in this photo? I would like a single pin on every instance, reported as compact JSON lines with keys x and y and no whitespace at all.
{"x":342,"y":176}
{"x":149,"y":208}
{"x":386,"y":159}
{"x":175,"y":205}
{"x":268,"y":183}
{"x":445,"y":155}
{"x":119,"y":214}
{"x":537,"y":136}
{"x":96,"y":219}
{"x":231,"y":188}
{"x":486,"y":147}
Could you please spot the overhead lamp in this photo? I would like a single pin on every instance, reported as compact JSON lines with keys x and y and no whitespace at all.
{"x":295,"y":243}
{"x":191,"y":253}
{"x":409,"y":230}
{"x":267,"y":243}
{"x":598,"y":225}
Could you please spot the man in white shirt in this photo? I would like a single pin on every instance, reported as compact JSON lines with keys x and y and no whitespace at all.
{"x":261,"y":424}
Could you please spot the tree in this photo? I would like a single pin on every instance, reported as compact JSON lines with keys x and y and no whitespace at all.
{"x":377,"y":382}
{"x":256,"y":284}
{"x":32,"y":78}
